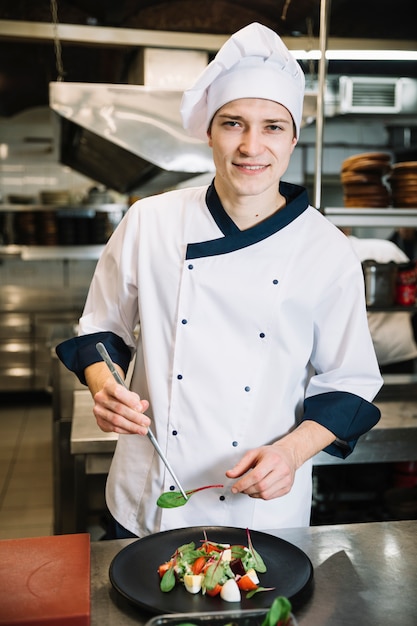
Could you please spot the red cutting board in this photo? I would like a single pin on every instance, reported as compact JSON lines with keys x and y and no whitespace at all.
{"x":45,"y":581}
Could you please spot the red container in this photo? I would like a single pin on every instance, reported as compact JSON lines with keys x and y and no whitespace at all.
{"x":406,"y":284}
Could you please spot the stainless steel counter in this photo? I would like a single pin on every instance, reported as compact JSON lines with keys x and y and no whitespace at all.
{"x":365,"y":574}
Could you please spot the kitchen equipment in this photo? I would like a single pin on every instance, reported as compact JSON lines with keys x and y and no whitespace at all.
{"x":98,"y":195}
{"x":134,"y":570}
{"x":380,"y":282}
{"x":106,"y":358}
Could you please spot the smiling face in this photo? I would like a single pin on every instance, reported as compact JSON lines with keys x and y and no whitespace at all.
{"x":252,"y":141}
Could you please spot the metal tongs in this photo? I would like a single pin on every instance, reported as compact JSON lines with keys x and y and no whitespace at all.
{"x":106,"y":358}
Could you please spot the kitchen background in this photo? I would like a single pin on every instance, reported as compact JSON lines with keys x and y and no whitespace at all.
{"x":66,"y":181}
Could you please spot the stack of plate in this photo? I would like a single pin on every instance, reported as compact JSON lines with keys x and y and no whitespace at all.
{"x":21,"y":199}
{"x":403,"y":181}
{"x":363,"y":179}
{"x":55,"y":197}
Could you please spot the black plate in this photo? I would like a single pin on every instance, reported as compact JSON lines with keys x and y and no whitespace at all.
{"x":133,"y":571}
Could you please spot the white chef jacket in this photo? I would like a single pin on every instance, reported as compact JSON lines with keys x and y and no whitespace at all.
{"x":237,"y":328}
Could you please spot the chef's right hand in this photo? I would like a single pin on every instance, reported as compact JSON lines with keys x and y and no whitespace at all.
{"x":116,"y":408}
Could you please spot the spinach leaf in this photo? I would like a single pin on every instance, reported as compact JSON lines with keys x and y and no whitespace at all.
{"x":171,"y":499}
{"x":280,"y":611}
{"x":168,"y":580}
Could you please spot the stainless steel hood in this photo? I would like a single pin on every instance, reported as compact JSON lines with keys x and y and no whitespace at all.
{"x":130,"y":137}
{"x":125,"y":136}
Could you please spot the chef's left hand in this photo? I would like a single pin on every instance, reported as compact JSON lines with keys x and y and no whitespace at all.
{"x":266,"y":472}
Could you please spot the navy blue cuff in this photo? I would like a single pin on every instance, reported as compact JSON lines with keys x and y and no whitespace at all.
{"x":80,"y":352}
{"x":345,"y":414}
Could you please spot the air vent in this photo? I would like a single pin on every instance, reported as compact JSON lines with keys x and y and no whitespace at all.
{"x":371,"y":95}
{"x":382,"y":96}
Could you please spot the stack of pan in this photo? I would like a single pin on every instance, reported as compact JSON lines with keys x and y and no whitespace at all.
{"x":363,"y":178}
{"x":403,"y":181}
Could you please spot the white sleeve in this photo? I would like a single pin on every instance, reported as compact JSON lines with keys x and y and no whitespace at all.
{"x":112,"y":301}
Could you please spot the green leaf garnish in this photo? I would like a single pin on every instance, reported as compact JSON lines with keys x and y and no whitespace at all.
{"x":280,"y":611}
{"x":238,"y":552}
{"x":258,"y":563}
{"x":257,"y":590}
{"x":168,"y":580}
{"x":173,"y":499}
{"x":215,"y":574}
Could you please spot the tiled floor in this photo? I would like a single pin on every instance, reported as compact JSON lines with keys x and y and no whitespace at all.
{"x":26,"y":485}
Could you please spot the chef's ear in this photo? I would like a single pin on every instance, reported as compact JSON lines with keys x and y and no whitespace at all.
{"x":209,"y":135}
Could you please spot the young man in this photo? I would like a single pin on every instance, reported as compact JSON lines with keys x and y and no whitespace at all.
{"x":254,"y":351}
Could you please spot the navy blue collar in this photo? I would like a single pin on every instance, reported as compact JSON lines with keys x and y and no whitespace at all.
{"x":235,"y":239}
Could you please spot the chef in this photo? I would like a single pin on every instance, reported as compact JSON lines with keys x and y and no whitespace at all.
{"x":244,"y":310}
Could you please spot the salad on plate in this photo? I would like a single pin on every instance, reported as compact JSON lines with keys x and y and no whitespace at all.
{"x":214,"y":569}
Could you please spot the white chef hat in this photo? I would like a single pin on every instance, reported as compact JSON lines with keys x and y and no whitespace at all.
{"x":253,"y":63}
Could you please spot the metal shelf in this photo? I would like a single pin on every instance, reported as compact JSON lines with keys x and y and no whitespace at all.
{"x":44,"y":253}
{"x":75,"y":231}
{"x":396,"y":308}
{"x":390,"y":217}
{"x":64,"y":209}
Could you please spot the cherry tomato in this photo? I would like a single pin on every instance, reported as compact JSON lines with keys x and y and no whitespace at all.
{"x":210,"y":547}
{"x":165,"y":567}
{"x":246,"y":583}
{"x":198,"y":565}
{"x":215,"y":591}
